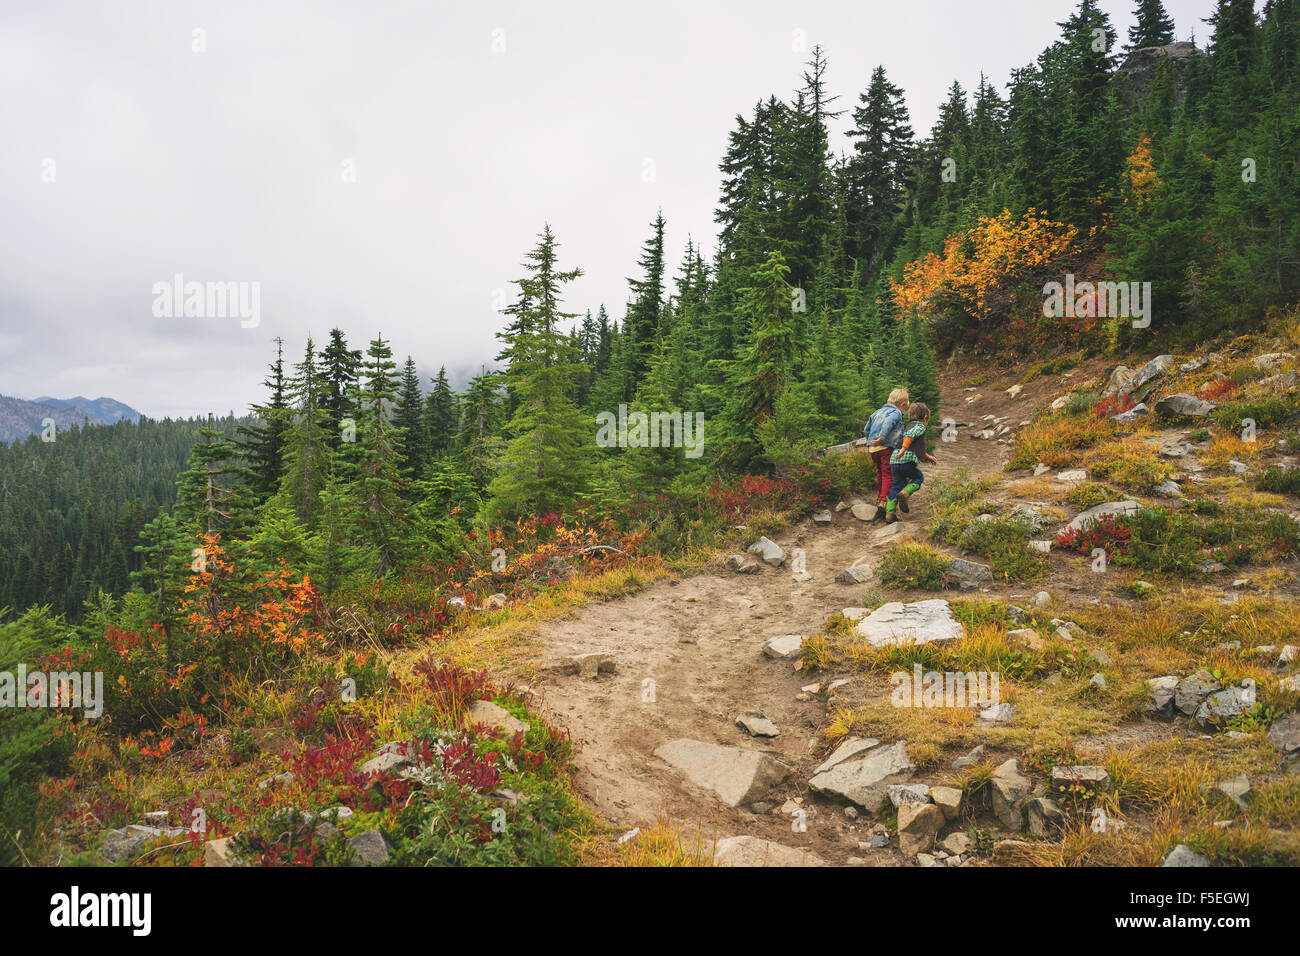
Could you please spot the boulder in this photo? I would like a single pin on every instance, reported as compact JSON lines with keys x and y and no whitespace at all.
{"x":1148,"y":373}
{"x":1074,"y":474}
{"x":958,"y":844}
{"x":743,"y":564}
{"x":1089,"y":516}
{"x":1131,"y":415}
{"x":1119,"y":379}
{"x":947,"y":799}
{"x":1009,"y":788}
{"x":864,"y":780}
{"x":970,"y":759}
{"x":384,"y":762}
{"x":220,"y":853}
{"x":822,"y":517}
{"x":369,"y":849}
{"x":486,"y":712}
{"x":1182,"y":404}
{"x":864,"y":512}
{"x":901,"y":795}
{"x":753,"y":851}
{"x":768,"y":550}
{"x":739,"y":777}
{"x":1085,"y":776}
{"x":1224,"y":705}
{"x":918,"y":824}
{"x":853,"y":747}
{"x":593,"y":664}
{"x":1043,"y":816}
{"x":1237,"y":789}
{"x":858,"y":574}
{"x":1191,"y":691}
{"x":921,"y":622}
{"x":1284,"y":734}
{"x":1160,"y":696}
{"x":963,"y":570}
{"x":1271,"y":360}
{"x":787,"y":647}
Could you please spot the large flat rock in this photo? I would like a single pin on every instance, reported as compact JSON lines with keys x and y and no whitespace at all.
{"x":919,"y":621}
{"x":739,"y":777}
{"x":1085,"y":518}
{"x":865,"y":779}
{"x":754,"y":851}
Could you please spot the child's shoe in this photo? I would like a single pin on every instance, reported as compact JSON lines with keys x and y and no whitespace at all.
{"x":902,"y":502}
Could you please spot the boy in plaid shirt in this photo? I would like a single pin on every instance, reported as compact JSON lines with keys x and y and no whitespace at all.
{"x":905,"y":463}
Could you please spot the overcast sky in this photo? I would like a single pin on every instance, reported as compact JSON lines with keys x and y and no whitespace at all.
{"x":129,"y":156}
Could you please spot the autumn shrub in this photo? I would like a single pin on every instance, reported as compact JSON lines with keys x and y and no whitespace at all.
{"x":1005,"y":542}
{"x":1266,"y":413}
{"x":913,"y":566}
{"x":1055,"y":441}
{"x":1283,"y":481}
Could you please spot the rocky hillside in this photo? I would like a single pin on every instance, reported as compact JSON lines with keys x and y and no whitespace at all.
{"x":20,"y":417}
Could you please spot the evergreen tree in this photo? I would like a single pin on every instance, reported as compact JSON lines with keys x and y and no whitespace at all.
{"x":1153,"y":26}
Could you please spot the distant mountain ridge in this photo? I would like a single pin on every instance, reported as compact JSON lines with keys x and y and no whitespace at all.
{"x":20,"y":417}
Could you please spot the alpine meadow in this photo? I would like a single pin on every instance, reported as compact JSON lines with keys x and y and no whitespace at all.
{"x":931,"y":499}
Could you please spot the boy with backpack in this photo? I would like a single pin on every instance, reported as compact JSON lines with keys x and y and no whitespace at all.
{"x":884,"y":431}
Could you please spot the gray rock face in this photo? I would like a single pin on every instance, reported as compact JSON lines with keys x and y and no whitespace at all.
{"x":753,"y":851}
{"x":1160,"y":696}
{"x":1142,"y":65}
{"x":963,"y":570}
{"x":1086,"y":518}
{"x":768,"y":550}
{"x":864,"y":779}
{"x":1119,"y":379}
{"x":1183,"y":855}
{"x":739,"y":777}
{"x":1224,"y":705}
{"x":369,"y":849}
{"x":1148,"y":373}
{"x":1191,"y":691}
{"x":385,"y":761}
{"x":1087,"y":776}
{"x":920,"y":622}
{"x":1009,"y":789}
{"x":851,"y":748}
{"x":904,"y":794}
{"x":858,"y":574}
{"x":1271,"y":360}
{"x":123,"y":844}
{"x":918,"y":823}
{"x":1284,"y":734}
{"x":1183,"y":404}
{"x":1042,"y":816}
{"x":1132,"y":415}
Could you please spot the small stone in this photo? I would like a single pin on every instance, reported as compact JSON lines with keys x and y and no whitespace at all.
{"x":1098,"y":681}
{"x":1043,"y":816}
{"x":864,"y":512}
{"x":786,"y":647}
{"x":384,"y":762}
{"x":917,"y":826}
{"x":958,"y":844}
{"x":756,"y":724}
{"x":1077,"y":474}
{"x":1081,"y":776}
{"x":901,"y":795}
{"x":948,"y":799}
{"x":1183,"y":855}
{"x":822,"y":517}
{"x":998,"y":713}
{"x":1042,"y":599}
{"x":974,"y":757}
{"x":369,"y":849}
{"x":768,"y":550}
{"x":858,"y":574}
{"x":494,"y":715}
{"x":591,"y":665}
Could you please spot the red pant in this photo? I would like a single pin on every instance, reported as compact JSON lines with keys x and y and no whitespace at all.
{"x":884,"y":474}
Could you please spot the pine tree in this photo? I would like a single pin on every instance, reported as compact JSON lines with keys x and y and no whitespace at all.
{"x":339,"y":370}
{"x":546,"y":463}
{"x":641,"y":327}
{"x":440,"y":416}
{"x":263,"y":443}
{"x":408,"y":417}
{"x":208,"y":496}
{"x":1153,"y":26}
{"x":378,"y":485}
{"x":308,"y":457}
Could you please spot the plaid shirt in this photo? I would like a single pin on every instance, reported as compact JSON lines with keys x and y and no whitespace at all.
{"x":914,"y":431}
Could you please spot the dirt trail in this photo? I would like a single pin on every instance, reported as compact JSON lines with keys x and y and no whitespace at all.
{"x":699,"y":637}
